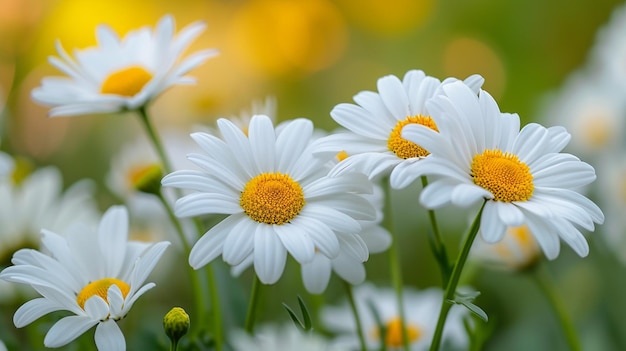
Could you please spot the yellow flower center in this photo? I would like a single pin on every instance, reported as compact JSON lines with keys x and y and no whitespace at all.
{"x":272,"y":198}
{"x":342,"y":155}
{"x":504,"y":175}
{"x":100,"y":288}
{"x":523,"y":252}
{"x":404,"y":148}
{"x":21,"y":170}
{"x":126,"y":82}
{"x":393,"y":333}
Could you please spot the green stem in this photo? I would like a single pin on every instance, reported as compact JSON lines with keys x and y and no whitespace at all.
{"x":143,"y":114}
{"x":196,"y":282}
{"x":217,"y":311}
{"x":156,"y":141}
{"x":394,"y":263}
{"x":175,"y":222}
{"x":194,"y":275}
{"x":357,"y":318}
{"x":436,"y":243}
{"x":448,"y":297}
{"x":547,"y":288}
{"x":174,"y":345}
{"x":252,"y":305}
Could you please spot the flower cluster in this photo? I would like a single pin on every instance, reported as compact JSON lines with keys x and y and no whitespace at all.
{"x":273,"y":191}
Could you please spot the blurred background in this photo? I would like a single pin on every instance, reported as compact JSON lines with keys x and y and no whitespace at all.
{"x":311,"y":55}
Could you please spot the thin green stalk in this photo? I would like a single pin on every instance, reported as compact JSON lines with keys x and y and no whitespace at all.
{"x":252,"y":305}
{"x":547,"y":288}
{"x":156,"y":141}
{"x":394,"y":264}
{"x":175,"y":222}
{"x":448,"y":297}
{"x":357,"y":318}
{"x":216,"y":310}
{"x":198,"y":292}
{"x":174,"y":345}
{"x":436,"y":243}
{"x":196,"y":282}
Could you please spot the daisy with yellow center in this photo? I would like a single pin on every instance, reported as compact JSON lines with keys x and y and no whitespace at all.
{"x":421,"y":309}
{"x":374,"y":138}
{"x":121,"y":73}
{"x":517,"y":251}
{"x":97,"y":275}
{"x":480,"y":153}
{"x":277,"y":196}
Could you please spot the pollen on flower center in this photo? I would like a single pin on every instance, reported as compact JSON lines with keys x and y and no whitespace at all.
{"x":503,"y":174}
{"x":404,"y":148}
{"x":126,"y":82}
{"x":272,"y":198}
{"x":100,"y":287}
{"x":393,"y":333}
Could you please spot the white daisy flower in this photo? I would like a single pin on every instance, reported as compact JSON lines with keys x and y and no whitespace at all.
{"x":517,"y":251}
{"x":421,"y":311}
{"x":277,"y":197}
{"x":609,"y":51}
{"x":591,"y":110}
{"x":6,"y":165}
{"x":31,"y":201}
{"x":121,"y":74}
{"x":611,"y":196}
{"x":481,"y":153}
{"x":97,"y":275}
{"x":266,"y":107}
{"x":137,"y":165}
{"x":375,"y":143}
{"x":137,"y":160}
{"x":288,"y":337}
{"x":2,"y":346}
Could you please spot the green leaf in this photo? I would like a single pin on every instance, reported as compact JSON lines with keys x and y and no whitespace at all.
{"x":307,"y":323}
{"x":466,"y":299}
{"x":293,"y":316}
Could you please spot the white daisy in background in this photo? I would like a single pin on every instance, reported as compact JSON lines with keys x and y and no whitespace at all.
{"x":136,"y":164}
{"x":611,"y":194}
{"x":31,"y":201}
{"x":6,"y":165}
{"x":609,"y":52}
{"x":266,"y":107}
{"x":517,"y":251}
{"x":374,"y":141}
{"x":277,"y":197}
{"x":137,"y":161}
{"x":591,"y":110}
{"x":480,"y":153}
{"x":121,"y":74}
{"x":287,"y":337}
{"x":97,"y":275}
{"x":2,"y":346}
{"x":421,"y":311}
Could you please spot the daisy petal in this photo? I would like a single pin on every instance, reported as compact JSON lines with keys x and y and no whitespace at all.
{"x":67,"y":329}
{"x":491,"y":227}
{"x":108,"y":336}
{"x":316,"y":274}
{"x":269,"y":255}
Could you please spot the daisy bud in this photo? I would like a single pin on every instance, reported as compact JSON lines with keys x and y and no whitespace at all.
{"x":147,"y":179}
{"x":176,"y":324}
